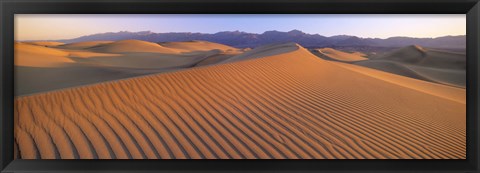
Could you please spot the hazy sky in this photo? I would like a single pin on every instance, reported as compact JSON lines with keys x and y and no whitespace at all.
{"x":66,"y":26}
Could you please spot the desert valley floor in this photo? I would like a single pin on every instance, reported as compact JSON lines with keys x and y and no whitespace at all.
{"x":202,"y":100}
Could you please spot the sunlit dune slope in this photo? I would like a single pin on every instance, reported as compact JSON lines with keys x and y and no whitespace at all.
{"x":147,"y":55}
{"x":198,"y":46}
{"x":83,"y":55}
{"x":286,"y":105}
{"x":425,"y":64}
{"x":337,"y":55}
{"x":132,"y":46}
{"x":46,"y":43}
{"x":84,"y":45}
{"x":39,"y":56}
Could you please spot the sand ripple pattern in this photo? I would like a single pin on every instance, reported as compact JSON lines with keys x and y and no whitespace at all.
{"x":288,"y":106}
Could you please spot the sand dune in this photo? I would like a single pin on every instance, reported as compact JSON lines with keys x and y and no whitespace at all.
{"x":395,"y":68}
{"x":443,"y":67}
{"x":148,"y":60}
{"x":263,"y":51}
{"x":450,"y":77}
{"x":41,"y":69}
{"x":359,"y":54}
{"x":129,"y":46}
{"x":198,"y":46}
{"x":85,"y":54}
{"x":84,"y":45}
{"x":215,"y":59}
{"x":39,"y":56}
{"x":417,"y":55}
{"x":46,"y":43}
{"x":337,"y":55}
{"x":443,"y":91}
{"x":34,"y":80}
{"x":287,"y":103}
{"x":447,"y":76}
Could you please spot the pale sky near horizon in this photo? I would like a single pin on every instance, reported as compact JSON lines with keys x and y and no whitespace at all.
{"x":68,"y":26}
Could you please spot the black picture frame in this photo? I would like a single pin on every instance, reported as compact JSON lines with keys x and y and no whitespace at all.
{"x":10,"y":7}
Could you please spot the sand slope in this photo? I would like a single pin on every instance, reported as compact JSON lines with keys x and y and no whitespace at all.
{"x":443,"y":67}
{"x":215,"y":59}
{"x":46,"y":43}
{"x":197,"y":45}
{"x":284,"y":105}
{"x":40,"y":68}
{"x":263,"y":51}
{"x":84,"y":45}
{"x":416,"y":55}
{"x":359,"y":54}
{"x":132,"y":46}
{"x":337,"y":55}
{"x":34,"y":80}
{"x":39,"y":56}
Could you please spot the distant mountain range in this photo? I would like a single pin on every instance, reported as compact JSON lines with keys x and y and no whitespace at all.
{"x":244,"y":39}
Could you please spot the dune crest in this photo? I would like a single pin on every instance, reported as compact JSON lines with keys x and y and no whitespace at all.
{"x":263,"y":51}
{"x":279,"y":101}
{"x":46,"y":43}
{"x":132,"y":46}
{"x":196,"y":45}
{"x":84,"y":45}
{"x":337,"y":55}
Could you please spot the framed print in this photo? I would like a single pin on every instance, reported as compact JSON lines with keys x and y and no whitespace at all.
{"x":229,"y":86}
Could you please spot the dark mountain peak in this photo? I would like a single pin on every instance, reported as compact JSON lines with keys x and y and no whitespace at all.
{"x":271,"y":32}
{"x":352,"y":39}
{"x":295,"y":32}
